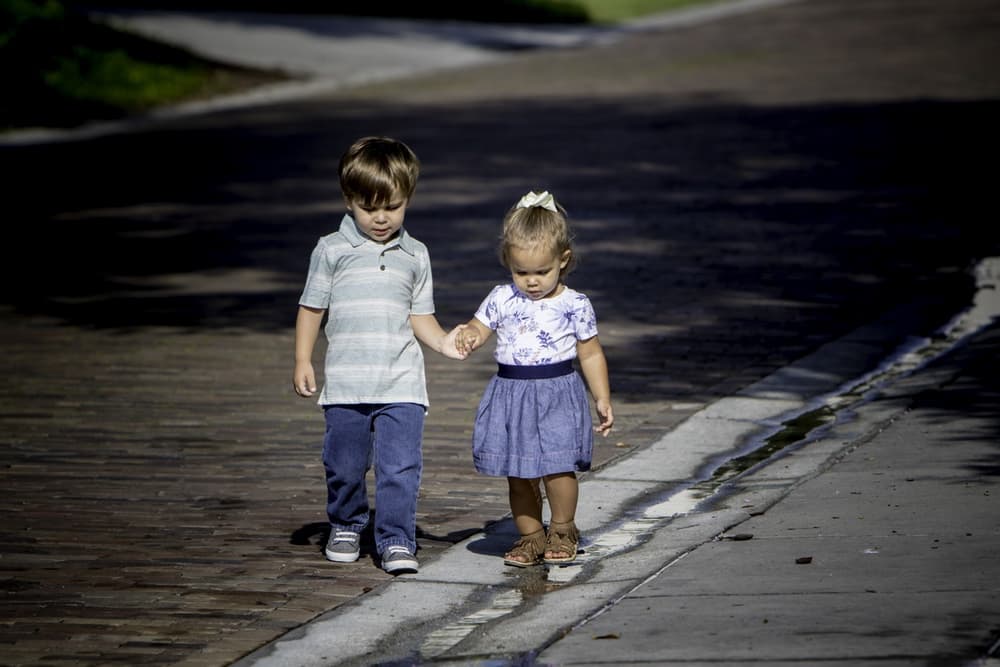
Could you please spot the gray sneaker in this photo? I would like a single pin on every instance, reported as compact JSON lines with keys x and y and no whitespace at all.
{"x":343,"y":546}
{"x":398,"y":559}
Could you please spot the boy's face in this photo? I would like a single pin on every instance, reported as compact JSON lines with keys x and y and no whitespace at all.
{"x":380,"y":223}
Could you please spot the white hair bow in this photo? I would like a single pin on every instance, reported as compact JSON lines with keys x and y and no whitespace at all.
{"x":543,"y":199}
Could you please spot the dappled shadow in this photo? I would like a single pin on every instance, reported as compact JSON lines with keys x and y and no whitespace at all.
{"x":800,"y":210}
{"x":701,"y":224}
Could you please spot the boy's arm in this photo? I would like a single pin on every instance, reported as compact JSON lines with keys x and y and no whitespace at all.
{"x":307,"y":325}
{"x":428,"y":331}
{"x":595,"y":371}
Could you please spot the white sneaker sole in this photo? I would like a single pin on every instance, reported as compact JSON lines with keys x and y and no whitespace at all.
{"x":399,"y":566}
{"x":340,"y":558}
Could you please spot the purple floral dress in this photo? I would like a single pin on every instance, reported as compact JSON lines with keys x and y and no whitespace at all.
{"x":531,"y":428}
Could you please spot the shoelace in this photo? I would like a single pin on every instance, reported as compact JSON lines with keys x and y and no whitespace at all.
{"x":345,"y":537}
{"x":395,"y":549}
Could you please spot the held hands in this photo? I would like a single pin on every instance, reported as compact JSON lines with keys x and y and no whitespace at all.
{"x":450,"y":345}
{"x":429,"y":331}
{"x":467,"y":339}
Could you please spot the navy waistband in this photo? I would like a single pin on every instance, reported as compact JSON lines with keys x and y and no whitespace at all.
{"x":535,"y":372}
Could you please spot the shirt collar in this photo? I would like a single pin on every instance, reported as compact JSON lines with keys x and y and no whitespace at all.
{"x":349,"y":229}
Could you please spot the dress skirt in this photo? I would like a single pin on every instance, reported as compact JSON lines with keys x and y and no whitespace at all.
{"x":534,"y":427}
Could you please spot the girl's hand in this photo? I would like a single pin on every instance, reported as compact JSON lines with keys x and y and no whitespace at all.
{"x":607,"y":416}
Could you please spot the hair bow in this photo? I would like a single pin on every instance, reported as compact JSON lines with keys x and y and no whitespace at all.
{"x":543,"y":199}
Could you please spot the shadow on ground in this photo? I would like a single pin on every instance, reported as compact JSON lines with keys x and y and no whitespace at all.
{"x":690,"y":219}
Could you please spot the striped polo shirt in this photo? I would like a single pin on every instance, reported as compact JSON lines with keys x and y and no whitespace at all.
{"x":369,"y":291}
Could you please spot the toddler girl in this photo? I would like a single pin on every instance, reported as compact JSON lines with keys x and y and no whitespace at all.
{"x":534,"y":421}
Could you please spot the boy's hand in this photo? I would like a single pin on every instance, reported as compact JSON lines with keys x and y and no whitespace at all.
{"x":304,"y":380}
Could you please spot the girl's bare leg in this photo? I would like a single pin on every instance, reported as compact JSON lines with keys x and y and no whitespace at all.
{"x":563,"y":491}
{"x":526,"y":506}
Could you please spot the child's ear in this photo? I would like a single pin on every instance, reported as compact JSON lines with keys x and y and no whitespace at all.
{"x":564,"y":260}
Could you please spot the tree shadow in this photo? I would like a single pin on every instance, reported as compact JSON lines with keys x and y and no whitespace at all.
{"x":701,"y":224}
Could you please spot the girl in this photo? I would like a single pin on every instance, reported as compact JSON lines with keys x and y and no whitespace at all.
{"x":533,"y":421}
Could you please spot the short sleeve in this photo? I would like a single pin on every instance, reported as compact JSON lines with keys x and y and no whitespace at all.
{"x":584,"y":319}
{"x":319,"y":280}
{"x":423,"y":287}
{"x":489,"y":310}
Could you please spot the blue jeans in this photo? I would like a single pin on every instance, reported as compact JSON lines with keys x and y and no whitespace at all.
{"x":390,"y":435}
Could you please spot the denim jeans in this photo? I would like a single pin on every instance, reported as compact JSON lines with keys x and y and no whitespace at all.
{"x":390,"y":436}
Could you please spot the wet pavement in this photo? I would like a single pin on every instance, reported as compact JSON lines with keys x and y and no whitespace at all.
{"x":744,"y":192}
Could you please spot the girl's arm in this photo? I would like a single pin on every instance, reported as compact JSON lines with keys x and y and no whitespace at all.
{"x":472,"y":335}
{"x":595,"y":371}
{"x":307,"y":325}
{"x":428,"y":331}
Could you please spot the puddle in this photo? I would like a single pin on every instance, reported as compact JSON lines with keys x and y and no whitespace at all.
{"x":441,"y":640}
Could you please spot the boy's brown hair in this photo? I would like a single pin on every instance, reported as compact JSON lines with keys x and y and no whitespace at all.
{"x":374,"y":170}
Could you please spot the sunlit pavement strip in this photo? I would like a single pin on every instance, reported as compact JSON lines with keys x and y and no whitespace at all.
{"x":623,"y":509}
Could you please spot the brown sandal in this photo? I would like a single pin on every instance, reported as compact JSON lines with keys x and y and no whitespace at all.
{"x":563,"y":538}
{"x":529,"y":547}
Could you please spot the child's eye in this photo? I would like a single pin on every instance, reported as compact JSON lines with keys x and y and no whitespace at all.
{"x":387,"y":207}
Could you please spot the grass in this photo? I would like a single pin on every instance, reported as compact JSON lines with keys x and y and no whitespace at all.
{"x":613,"y":11}
{"x":61,"y":69}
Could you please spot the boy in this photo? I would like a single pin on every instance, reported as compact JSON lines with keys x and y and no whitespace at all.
{"x":373,"y":280}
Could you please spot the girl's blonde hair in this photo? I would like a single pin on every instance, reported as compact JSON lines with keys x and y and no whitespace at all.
{"x":534,"y":228}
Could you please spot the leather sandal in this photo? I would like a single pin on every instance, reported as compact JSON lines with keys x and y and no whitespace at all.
{"x":563,"y":539}
{"x":530,"y":548}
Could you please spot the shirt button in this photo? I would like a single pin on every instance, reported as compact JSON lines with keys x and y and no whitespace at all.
{"x":381,"y":267}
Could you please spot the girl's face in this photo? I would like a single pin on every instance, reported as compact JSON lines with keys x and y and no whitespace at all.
{"x":536,"y":271}
{"x":381,"y":223}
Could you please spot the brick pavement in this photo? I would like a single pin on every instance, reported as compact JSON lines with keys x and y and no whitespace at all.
{"x":742,"y":191}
